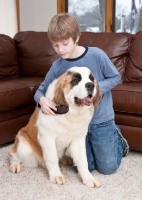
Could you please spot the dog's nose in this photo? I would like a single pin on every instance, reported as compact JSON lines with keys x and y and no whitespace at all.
{"x":89,"y":86}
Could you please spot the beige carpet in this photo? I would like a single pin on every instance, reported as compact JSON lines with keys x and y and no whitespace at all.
{"x":33,"y":183}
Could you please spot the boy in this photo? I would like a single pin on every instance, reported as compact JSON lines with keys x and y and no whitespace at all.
{"x":105,"y":146}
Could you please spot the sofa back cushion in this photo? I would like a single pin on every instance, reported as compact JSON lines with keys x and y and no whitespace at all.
{"x":116,"y":46}
{"x":134,"y":66}
{"x":8,"y":58}
{"x":35,"y":52}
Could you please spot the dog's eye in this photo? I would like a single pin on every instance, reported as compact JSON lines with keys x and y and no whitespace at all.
{"x":75,"y":81}
{"x":76,"y":78}
{"x":91,"y":77}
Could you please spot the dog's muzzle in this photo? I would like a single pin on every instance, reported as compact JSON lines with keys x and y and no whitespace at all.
{"x":85,"y":101}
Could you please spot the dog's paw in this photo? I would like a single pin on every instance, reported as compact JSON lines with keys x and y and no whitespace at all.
{"x":15,"y":168}
{"x":92,"y":183}
{"x":66,"y":160}
{"x":58,"y":180}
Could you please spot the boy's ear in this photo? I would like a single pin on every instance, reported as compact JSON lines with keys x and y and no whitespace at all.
{"x":77,"y":39}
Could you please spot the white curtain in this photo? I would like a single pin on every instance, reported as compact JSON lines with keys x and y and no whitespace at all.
{"x":8,"y":17}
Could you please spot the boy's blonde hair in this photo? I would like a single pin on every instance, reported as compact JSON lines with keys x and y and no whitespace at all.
{"x":62,"y":27}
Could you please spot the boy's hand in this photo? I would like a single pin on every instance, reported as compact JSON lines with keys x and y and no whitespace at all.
{"x":46,"y":106}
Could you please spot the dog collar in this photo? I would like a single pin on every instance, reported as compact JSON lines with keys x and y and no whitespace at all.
{"x":61,"y":109}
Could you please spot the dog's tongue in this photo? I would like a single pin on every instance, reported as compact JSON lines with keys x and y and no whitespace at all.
{"x":88,"y":99}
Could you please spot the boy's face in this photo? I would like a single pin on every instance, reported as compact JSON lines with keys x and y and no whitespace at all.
{"x":66,"y":48}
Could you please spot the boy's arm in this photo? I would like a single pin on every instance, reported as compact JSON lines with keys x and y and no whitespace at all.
{"x":39,"y":96}
{"x":50,"y":76}
{"x":110,"y":74}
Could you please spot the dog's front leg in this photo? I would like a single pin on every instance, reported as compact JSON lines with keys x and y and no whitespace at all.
{"x":50,"y":156}
{"x":78,"y":153}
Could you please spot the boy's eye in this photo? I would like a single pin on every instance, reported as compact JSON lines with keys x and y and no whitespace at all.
{"x":65,"y":43}
{"x":55,"y":45}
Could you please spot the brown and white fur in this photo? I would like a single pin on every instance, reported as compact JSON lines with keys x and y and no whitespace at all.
{"x":46,"y":139}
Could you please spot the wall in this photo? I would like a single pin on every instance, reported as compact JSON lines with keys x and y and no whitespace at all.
{"x":8,"y":17}
{"x":36,"y":14}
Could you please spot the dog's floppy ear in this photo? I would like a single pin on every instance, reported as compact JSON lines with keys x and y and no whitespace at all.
{"x":59,"y":97}
{"x":98,"y":95}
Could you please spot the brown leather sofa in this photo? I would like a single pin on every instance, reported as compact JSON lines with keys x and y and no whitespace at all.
{"x":25,"y":60}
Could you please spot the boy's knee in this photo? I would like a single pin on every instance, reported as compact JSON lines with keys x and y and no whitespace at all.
{"x":108,"y":168}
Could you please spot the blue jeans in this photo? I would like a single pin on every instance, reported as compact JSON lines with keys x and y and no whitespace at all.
{"x":104,"y":147}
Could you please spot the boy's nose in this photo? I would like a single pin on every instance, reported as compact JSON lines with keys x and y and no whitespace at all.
{"x":60,"y":49}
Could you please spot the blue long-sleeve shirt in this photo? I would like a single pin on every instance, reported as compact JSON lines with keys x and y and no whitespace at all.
{"x":102,"y":68}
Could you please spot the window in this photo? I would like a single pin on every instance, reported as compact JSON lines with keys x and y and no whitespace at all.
{"x":90,"y":14}
{"x":105,"y":15}
{"x":128,"y":16}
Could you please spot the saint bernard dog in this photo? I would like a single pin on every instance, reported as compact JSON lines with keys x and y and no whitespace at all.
{"x":47,"y":139}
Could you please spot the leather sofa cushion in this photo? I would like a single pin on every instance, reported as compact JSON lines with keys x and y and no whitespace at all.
{"x":13,"y":95}
{"x":8,"y":58}
{"x":115,"y":45}
{"x":32,"y":83}
{"x":128,"y":119}
{"x":134,"y":66}
{"x":127,"y":98}
{"x":35,"y":52}
{"x":133,"y":136}
{"x":18,"y":92}
{"x":11,"y":127}
{"x":15,"y":113}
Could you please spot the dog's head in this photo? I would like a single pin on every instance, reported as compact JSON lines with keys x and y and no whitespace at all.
{"x":77,"y":86}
